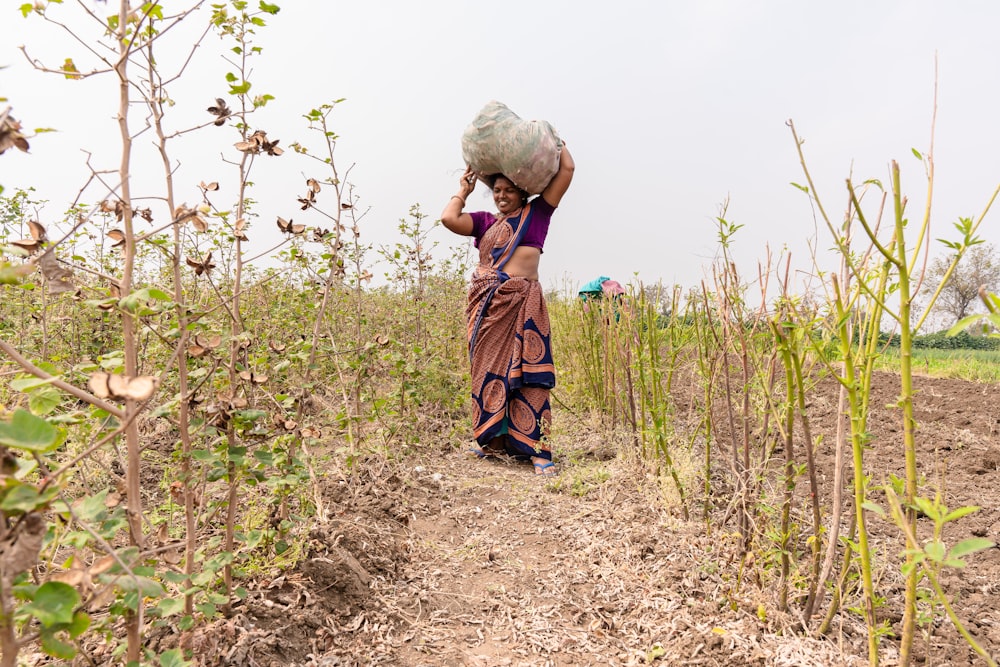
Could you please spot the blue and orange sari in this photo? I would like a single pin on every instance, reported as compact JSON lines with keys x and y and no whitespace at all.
{"x":509,"y":347}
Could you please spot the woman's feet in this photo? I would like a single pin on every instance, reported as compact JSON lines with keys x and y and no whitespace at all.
{"x":544,"y":467}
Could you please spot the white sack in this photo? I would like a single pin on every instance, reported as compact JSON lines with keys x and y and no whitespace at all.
{"x":500,"y":142}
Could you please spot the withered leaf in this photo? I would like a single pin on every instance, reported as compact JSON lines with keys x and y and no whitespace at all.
{"x":208,"y":341}
{"x":204,"y":265}
{"x":196,"y":351}
{"x":221,"y":110}
{"x":102,"y":565}
{"x":346,"y":206}
{"x":30,"y":245}
{"x":255,"y":378}
{"x":199,"y":223}
{"x":289,"y":227}
{"x":118,"y":236}
{"x":146,"y":214}
{"x":59,"y":277}
{"x":238,"y":229}
{"x":312,"y":184}
{"x":382,"y":340}
{"x":10,"y":133}
{"x":209,"y":187}
{"x":37,"y":230}
{"x":277,"y":347}
{"x":108,"y":385}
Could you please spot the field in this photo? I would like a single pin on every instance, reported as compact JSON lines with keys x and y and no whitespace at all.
{"x":439,"y":559}
{"x":218,"y":451}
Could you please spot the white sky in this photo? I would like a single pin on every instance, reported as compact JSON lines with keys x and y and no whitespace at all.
{"x":669,"y":108}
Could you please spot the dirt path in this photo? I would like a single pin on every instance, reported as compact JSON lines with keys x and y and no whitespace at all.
{"x":457,"y":561}
{"x":443,"y":559}
{"x":583,"y":570}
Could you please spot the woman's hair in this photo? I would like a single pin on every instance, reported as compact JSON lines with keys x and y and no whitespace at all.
{"x":491,"y":180}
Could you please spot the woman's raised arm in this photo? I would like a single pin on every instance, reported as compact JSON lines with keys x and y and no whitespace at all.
{"x":554,"y":191}
{"x":452,"y":216}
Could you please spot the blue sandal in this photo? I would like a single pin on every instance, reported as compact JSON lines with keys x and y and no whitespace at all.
{"x":541,"y":468}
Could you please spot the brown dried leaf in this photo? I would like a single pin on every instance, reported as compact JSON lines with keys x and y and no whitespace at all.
{"x":118,"y":236}
{"x":205,"y":265}
{"x":209,"y":341}
{"x":73,"y":577}
{"x":60,"y":278}
{"x":210,"y":187}
{"x":10,"y":133}
{"x":102,"y":565}
{"x":107,"y":385}
{"x":312,"y":184}
{"x":289,"y":227}
{"x":98,"y":384}
{"x":199,"y":223}
{"x":221,"y":110}
{"x":37,"y":230}
{"x":30,"y":245}
{"x":238,"y":229}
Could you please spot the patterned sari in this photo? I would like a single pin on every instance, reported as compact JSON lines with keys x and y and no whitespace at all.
{"x":509,"y":347}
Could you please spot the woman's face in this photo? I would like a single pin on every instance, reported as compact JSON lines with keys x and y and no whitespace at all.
{"x":506,"y":195}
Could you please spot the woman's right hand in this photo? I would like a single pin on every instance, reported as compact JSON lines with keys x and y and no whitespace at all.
{"x":468,"y":182}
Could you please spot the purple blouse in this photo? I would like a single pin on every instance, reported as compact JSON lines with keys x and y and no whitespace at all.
{"x":538,"y":225}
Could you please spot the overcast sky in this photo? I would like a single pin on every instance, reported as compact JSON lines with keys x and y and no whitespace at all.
{"x":670,"y":108}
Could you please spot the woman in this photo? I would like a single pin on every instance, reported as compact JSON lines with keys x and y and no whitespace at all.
{"x":508,"y":323}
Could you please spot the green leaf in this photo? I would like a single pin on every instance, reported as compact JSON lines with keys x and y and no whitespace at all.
{"x":173,"y":658}
{"x":207,"y":609}
{"x":149,"y":588}
{"x":81,"y":621}
{"x":26,"y":431}
{"x":963,"y":324}
{"x":24,"y":498}
{"x":917,"y":154}
{"x":90,"y":508}
{"x":56,"y":647}
{"x":26,"y":9}
{"x":169,"y":607}
{"x":270,"y":9}
{"x":872,"y":507}
{"x":960,"y":512}
{"x":240,"y":89}
{"x":54,"y":603}
{"x":44,"y":400}
{"x":935,"y":550}
{"x":804,"y":188}
{"x":969,"y":546}
{"x":29,"y":383}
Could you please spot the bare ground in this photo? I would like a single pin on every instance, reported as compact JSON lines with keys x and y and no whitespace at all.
{"x":442,"y":559}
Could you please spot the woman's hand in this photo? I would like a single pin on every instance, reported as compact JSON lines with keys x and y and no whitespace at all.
{"x":468,"y":182}
{"x":452,"y":216}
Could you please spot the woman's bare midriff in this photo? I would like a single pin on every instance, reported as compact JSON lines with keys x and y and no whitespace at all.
{"x":524,"y":263}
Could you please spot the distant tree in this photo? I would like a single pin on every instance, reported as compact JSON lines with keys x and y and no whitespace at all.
{"x":979,"y":266}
